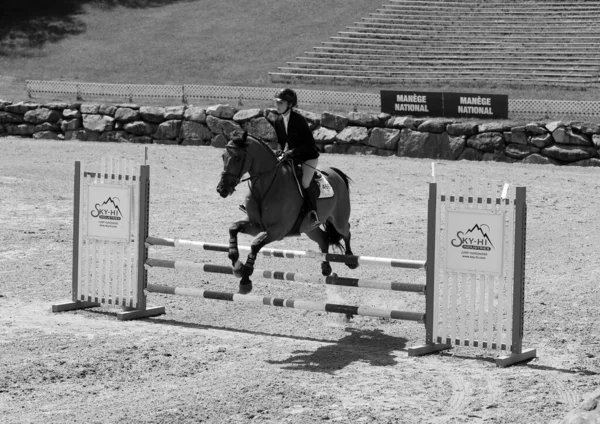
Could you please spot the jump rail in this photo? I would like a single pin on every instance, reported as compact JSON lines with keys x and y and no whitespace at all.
{"x":291,"y":254}
{"x":288,"y":303}
{"x":292,"y":276}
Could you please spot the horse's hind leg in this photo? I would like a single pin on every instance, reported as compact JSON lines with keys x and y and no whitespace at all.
{"x":348,"y":249}
{"x":317,"y":235}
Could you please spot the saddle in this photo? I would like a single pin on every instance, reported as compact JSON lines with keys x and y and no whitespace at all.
{"x":319,"y":183}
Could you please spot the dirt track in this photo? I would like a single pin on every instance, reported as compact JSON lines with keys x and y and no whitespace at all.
{"x":208,"y":361}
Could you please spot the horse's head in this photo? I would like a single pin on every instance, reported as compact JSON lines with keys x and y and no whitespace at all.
{"x":235,"y":164}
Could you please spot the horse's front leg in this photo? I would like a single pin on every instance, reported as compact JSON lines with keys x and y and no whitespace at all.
{"x":234,"y":253}
{"x":258,"y":243}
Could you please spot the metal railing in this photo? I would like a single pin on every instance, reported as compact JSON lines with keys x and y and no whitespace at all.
{"x":264,"y":95}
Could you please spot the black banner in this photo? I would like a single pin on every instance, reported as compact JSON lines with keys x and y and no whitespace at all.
{"x":475,"y":105}
{"x":450,"y":105}
{"x":415,"y":103}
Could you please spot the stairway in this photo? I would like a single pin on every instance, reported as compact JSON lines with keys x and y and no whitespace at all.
{"x":554,"y":43}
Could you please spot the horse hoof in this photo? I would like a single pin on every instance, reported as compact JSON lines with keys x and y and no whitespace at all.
{"x":237,"y":269}
{"x":349,"y":317}
{"x":326,"y":269}
{"x":245,"y":288}
{"x":352,"y":266}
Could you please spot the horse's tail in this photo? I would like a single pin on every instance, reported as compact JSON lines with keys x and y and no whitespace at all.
{"x":344,"y":177}
{"x":333,"y":237}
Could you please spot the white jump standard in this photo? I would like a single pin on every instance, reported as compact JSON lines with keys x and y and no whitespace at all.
{"x":474,"y":270}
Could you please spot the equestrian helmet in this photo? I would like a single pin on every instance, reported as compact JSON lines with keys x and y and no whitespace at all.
{"x":287,"y":95}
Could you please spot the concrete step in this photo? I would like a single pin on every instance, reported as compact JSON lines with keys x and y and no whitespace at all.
{"x":419,"y":54}
{"x":496,"y":38}
{"x":281,"y":77}
{"x":445,"y":65}
{"x":568,"y":20}
{"x":441,"y":72}
{"x":483,"y":7}
{"x":492,"y":12}
{"x":394,"y":29}
{"x":488,"y":25}
{"x":470,"y":43}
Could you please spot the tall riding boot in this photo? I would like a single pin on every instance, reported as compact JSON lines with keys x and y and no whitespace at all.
{"x":310,"y":196}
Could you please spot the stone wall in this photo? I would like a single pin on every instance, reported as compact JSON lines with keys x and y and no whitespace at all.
{"x":559,"y":143}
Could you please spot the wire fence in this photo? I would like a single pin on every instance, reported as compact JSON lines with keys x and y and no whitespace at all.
{"x":263,"y":96}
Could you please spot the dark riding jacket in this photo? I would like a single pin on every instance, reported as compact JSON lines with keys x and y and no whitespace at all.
{"x":298,"y":139}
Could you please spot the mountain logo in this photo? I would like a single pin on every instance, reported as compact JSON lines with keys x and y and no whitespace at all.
{"x":109,"y":209}
{"x":476,"y":238}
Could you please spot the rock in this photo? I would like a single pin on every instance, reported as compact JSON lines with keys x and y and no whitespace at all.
{"x":415,"y":144}
{"x":569,"y":153}
{"x":168,"y":130}
{"x":402,"y":122}
{"x":99,"y":123}
{"x":42,"y":114}
{"x":21,"y":107}
{"x":518,"y":151}
{"x":144,"y":139}
{"x":222,"y":126}
{"x":535,"y":129}
{"x":261,"y":128}
{"x":541,"y":141}
{"x":595,"y":140}
{"x":587,"y":162}
{"x":20,"y":129}
{"x":493,"y":126}
{"x":585,"y":128}
{"x":436,"y":126}
{"x":247,"y":114}
{"x":471,"y":154}
{"x":462,"y":128}
{"x":384,"y":138}
{"x":71,"y":113}
{"x":313,"y":119}
{"x":519,"y":136}
{"x":357,"y":149}
{"x":152,"y":114}
{"x":196,"y":114}
{"x":70,"y":125}
{"x":565,"y":135}
{"x":336,"y":148}
{"x":60,"y":106}
{"x":194,"y":131}
{"x":221,"y":111}
{"x":333,"y":121}
{"x":170,"y":141}
{"x":353,"y":135}
{"x":114,"y":136}
{"x":174,"y":112}
{"x":324,"y":135}
{"x":588,"y":412}
{"x":486,"y":142}
{"x":10,"y":118}
{"x":79,"y":135}
{"x":133,"y":106}
{"x":89,"y":108}
{"x":538,"y":159}
{"x":139,"y":128}
{"x":109,"y":110}
{"x":47,"y":126}
{"x":552,"y":126}
{"x":363,"y":119}
{"x":497,"y":157}
{"x":125,"y":114}
{"x":46,"y":135}
{"x":456,"y":146}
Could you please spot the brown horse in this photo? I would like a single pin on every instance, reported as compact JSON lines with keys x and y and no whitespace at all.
{"x":274,"y":204}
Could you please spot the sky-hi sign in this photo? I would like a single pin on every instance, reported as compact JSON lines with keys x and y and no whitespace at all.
{"x":451,"y":105}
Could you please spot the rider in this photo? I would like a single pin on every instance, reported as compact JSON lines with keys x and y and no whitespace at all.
{"x":293,"y":131}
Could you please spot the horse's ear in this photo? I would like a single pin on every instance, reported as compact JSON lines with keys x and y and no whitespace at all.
{"x":239,"y":138}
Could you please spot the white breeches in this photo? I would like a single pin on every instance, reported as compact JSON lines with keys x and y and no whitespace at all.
{"x":308,"y":170}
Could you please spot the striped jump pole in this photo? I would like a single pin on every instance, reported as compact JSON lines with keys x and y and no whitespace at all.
{"x":290,"y":254}
{"x":291,"y":276}
{"x":289,"y":303}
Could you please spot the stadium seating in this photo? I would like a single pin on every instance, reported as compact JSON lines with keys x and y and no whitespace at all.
{"x":545,"y":42}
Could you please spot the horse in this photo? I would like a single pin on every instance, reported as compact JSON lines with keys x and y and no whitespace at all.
{"x":274,"y":204}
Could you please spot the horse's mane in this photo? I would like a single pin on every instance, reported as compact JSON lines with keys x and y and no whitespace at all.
{"x":244,"y":139}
